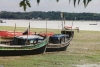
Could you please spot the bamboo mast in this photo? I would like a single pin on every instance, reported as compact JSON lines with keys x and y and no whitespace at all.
{"x":46,"y":27}
{"x":15,"y":30}
{"x":46,"y":37}
{"x":62,"y":16}
{"x":28,"y":32}
{"x":63,"y":20}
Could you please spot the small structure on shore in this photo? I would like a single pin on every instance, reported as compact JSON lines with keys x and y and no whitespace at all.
{"x":1,"y":21}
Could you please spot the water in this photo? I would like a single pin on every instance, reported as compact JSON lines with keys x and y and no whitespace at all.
{"x":83,"y":25}
{"x":89,"y":65}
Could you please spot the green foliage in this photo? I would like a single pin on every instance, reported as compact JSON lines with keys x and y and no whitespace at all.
{"x":38,"y":1}
{"x":50,"y":15}
{"x":57,"y":0}
{"x":78,"y":1}
{"x":25,"y":3}
{"x":86,"y":2}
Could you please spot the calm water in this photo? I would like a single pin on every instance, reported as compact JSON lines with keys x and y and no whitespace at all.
{"x":83,"y":25}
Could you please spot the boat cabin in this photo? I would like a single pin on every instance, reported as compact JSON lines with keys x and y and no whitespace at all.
{"x":58,"y":38}
{"x":27,"y":40}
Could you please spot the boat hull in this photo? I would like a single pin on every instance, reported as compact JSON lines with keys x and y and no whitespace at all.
{"x":22,"y":52}
{"x":28,"y":49}
{"x":57,"y":49}
{"x":61,"y":47}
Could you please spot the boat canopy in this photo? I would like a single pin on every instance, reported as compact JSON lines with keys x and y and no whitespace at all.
{"x":30,"y":37}
{"x":27,"y":39}
{"x":59,"y":36}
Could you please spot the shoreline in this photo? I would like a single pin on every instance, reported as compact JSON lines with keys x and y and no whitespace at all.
{"x":83,"y":25}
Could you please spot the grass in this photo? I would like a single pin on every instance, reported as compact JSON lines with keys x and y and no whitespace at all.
{"x":84,"y":49}
{"x":32,"y":29}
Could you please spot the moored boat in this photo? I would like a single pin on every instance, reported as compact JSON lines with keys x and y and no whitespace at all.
{"x":11,"y":34}
{"x":60,"y":42}
{"x":93,"y":24}
{"x":24,"y":45}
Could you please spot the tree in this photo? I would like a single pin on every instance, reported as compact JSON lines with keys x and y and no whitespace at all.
{"x":26,"y":3}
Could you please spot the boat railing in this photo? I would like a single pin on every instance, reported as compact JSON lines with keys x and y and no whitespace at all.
{"x":24,"y":47}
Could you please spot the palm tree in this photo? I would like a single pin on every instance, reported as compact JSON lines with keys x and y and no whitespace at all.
{"x":26,"y":3}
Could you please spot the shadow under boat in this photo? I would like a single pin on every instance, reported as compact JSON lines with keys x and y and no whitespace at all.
{"x":24,"y":45}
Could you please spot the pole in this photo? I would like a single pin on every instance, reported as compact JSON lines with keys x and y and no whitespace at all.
{"x":28,"y":33}
{"x":46,"y":27}
{"x":64,"y":21}
{"x":14,"y":29}
{"x":62,"y":17}
{"x":29,"y":28}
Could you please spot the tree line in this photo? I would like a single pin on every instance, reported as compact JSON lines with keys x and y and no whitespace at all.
{"x":39,"y":15}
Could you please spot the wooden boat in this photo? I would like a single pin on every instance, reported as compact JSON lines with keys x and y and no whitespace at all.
{"x":60,"y":42}
{"x":68,"y":27}
{"x":24,"y":45}
{"x":93,"y":24}
{"x":11,"y":34}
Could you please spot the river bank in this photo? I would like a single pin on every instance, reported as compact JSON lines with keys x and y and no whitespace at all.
{"x":83,"y":50}
{"x":83,"y":25}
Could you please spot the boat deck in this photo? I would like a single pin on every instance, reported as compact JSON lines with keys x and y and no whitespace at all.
{"x":4,"y":45}
{"x":51,"y":45}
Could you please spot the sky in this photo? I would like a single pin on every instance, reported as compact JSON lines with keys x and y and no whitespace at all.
{"x":51,"y":5}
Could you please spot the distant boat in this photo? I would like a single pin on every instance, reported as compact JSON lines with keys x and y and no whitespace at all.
{"x":93,"y":24}
{"x":1,"y":21}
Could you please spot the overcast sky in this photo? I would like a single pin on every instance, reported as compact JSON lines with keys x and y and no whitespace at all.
{"x":50,"y":5}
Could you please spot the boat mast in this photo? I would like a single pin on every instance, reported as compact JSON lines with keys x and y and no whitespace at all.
{"x":15,"y":30}
{"x":62,"y":17}
{"x":46,"y":36}
{"x":28,"y":32}
{"x":46,"y":26}
{"x":64,"y":21}
{"x":29,"y":29}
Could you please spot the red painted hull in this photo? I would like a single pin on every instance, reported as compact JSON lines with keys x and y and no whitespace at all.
{"x":9,"y":34}
{"x":47,"y":34}
{"x":68,"y":27}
